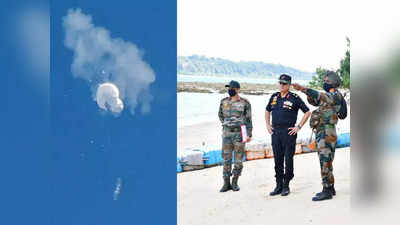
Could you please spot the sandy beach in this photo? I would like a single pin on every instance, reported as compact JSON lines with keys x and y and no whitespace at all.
{"x":199,"y":199}
{"x":201,"y":203}
{"x":208,"y":132}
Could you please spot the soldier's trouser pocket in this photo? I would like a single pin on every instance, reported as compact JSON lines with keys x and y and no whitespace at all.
{"x":315,"y":119}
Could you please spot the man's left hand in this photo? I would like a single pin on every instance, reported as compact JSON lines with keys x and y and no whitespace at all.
{"x":293,"y":130}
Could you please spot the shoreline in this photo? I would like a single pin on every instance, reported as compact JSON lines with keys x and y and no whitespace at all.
{"x":246,"y":88}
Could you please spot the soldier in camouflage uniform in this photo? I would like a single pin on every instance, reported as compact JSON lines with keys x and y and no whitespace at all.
{"x":234,"y":111}
{"x":323,"y":121}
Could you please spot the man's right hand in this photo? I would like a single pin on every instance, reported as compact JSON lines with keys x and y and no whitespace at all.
{"x":299,"y":87}
{"x":270,"y":130}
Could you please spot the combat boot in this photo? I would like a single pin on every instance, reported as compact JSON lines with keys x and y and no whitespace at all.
{"x":331,"y":189}
{"x":324,"y":195}
{"x":278,"y":188}
{"x":235,"y":186}
{"x":227,"y":185}
{"x":285,"y":188}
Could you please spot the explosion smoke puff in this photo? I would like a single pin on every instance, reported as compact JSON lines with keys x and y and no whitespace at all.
{"x":100,"y":58}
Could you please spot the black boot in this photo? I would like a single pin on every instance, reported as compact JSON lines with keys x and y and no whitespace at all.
{"x":324,"y":195}
{"x":319,"y":193}
{"x":235,"y":186}
{"x":227,"y":185}
{"x":330,"y":189}
{"x":285,"y":189}
{"x":278,"y":188}
{"x":333,"y":191}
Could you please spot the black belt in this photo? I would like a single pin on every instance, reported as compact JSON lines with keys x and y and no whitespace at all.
{"x":282,"y":126}
{"x":232,"y":129}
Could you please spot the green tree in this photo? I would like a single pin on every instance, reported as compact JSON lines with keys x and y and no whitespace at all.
{"x":343,"y":71}
{"x":318,"y":79}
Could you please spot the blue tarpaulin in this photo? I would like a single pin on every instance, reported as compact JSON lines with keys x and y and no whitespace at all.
{"x":343,"y":140}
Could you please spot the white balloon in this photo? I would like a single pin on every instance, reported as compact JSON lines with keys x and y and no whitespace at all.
{"x":107,"y":97}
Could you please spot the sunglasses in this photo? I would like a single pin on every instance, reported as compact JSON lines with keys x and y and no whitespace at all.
{"x":281,"y":83}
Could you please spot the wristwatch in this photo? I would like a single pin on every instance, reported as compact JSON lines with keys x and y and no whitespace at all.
{"x":298,"y":126}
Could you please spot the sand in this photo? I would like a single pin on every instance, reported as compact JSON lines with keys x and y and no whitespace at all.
{"x":194,"y":135}
{"x":201,"y":203}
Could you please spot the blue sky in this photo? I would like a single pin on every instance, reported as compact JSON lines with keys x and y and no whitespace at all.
{"x":24,"y":119}
{"x":92,"y":150}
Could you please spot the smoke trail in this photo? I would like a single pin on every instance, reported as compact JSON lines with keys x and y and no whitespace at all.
{"x":99,"y":58}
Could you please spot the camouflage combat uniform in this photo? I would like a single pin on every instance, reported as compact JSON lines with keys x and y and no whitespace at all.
{"x":325,"y":133}
{"x":232,"y":115}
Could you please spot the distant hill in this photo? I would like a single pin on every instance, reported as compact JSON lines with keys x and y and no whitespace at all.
{"x":201,"y":65}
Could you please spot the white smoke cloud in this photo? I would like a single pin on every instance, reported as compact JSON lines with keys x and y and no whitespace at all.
{"x":99,"y":58}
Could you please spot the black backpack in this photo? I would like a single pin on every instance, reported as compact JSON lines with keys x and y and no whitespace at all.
{"x":342,"y":113}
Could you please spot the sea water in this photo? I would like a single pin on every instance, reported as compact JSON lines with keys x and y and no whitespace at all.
{"x":198,"y":108}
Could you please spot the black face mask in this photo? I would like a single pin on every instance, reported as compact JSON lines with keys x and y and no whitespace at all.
{"x":232,"y":92}
{"x":327,"y":87}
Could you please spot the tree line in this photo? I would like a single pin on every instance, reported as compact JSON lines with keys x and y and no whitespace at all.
{"x":202,"y":65}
